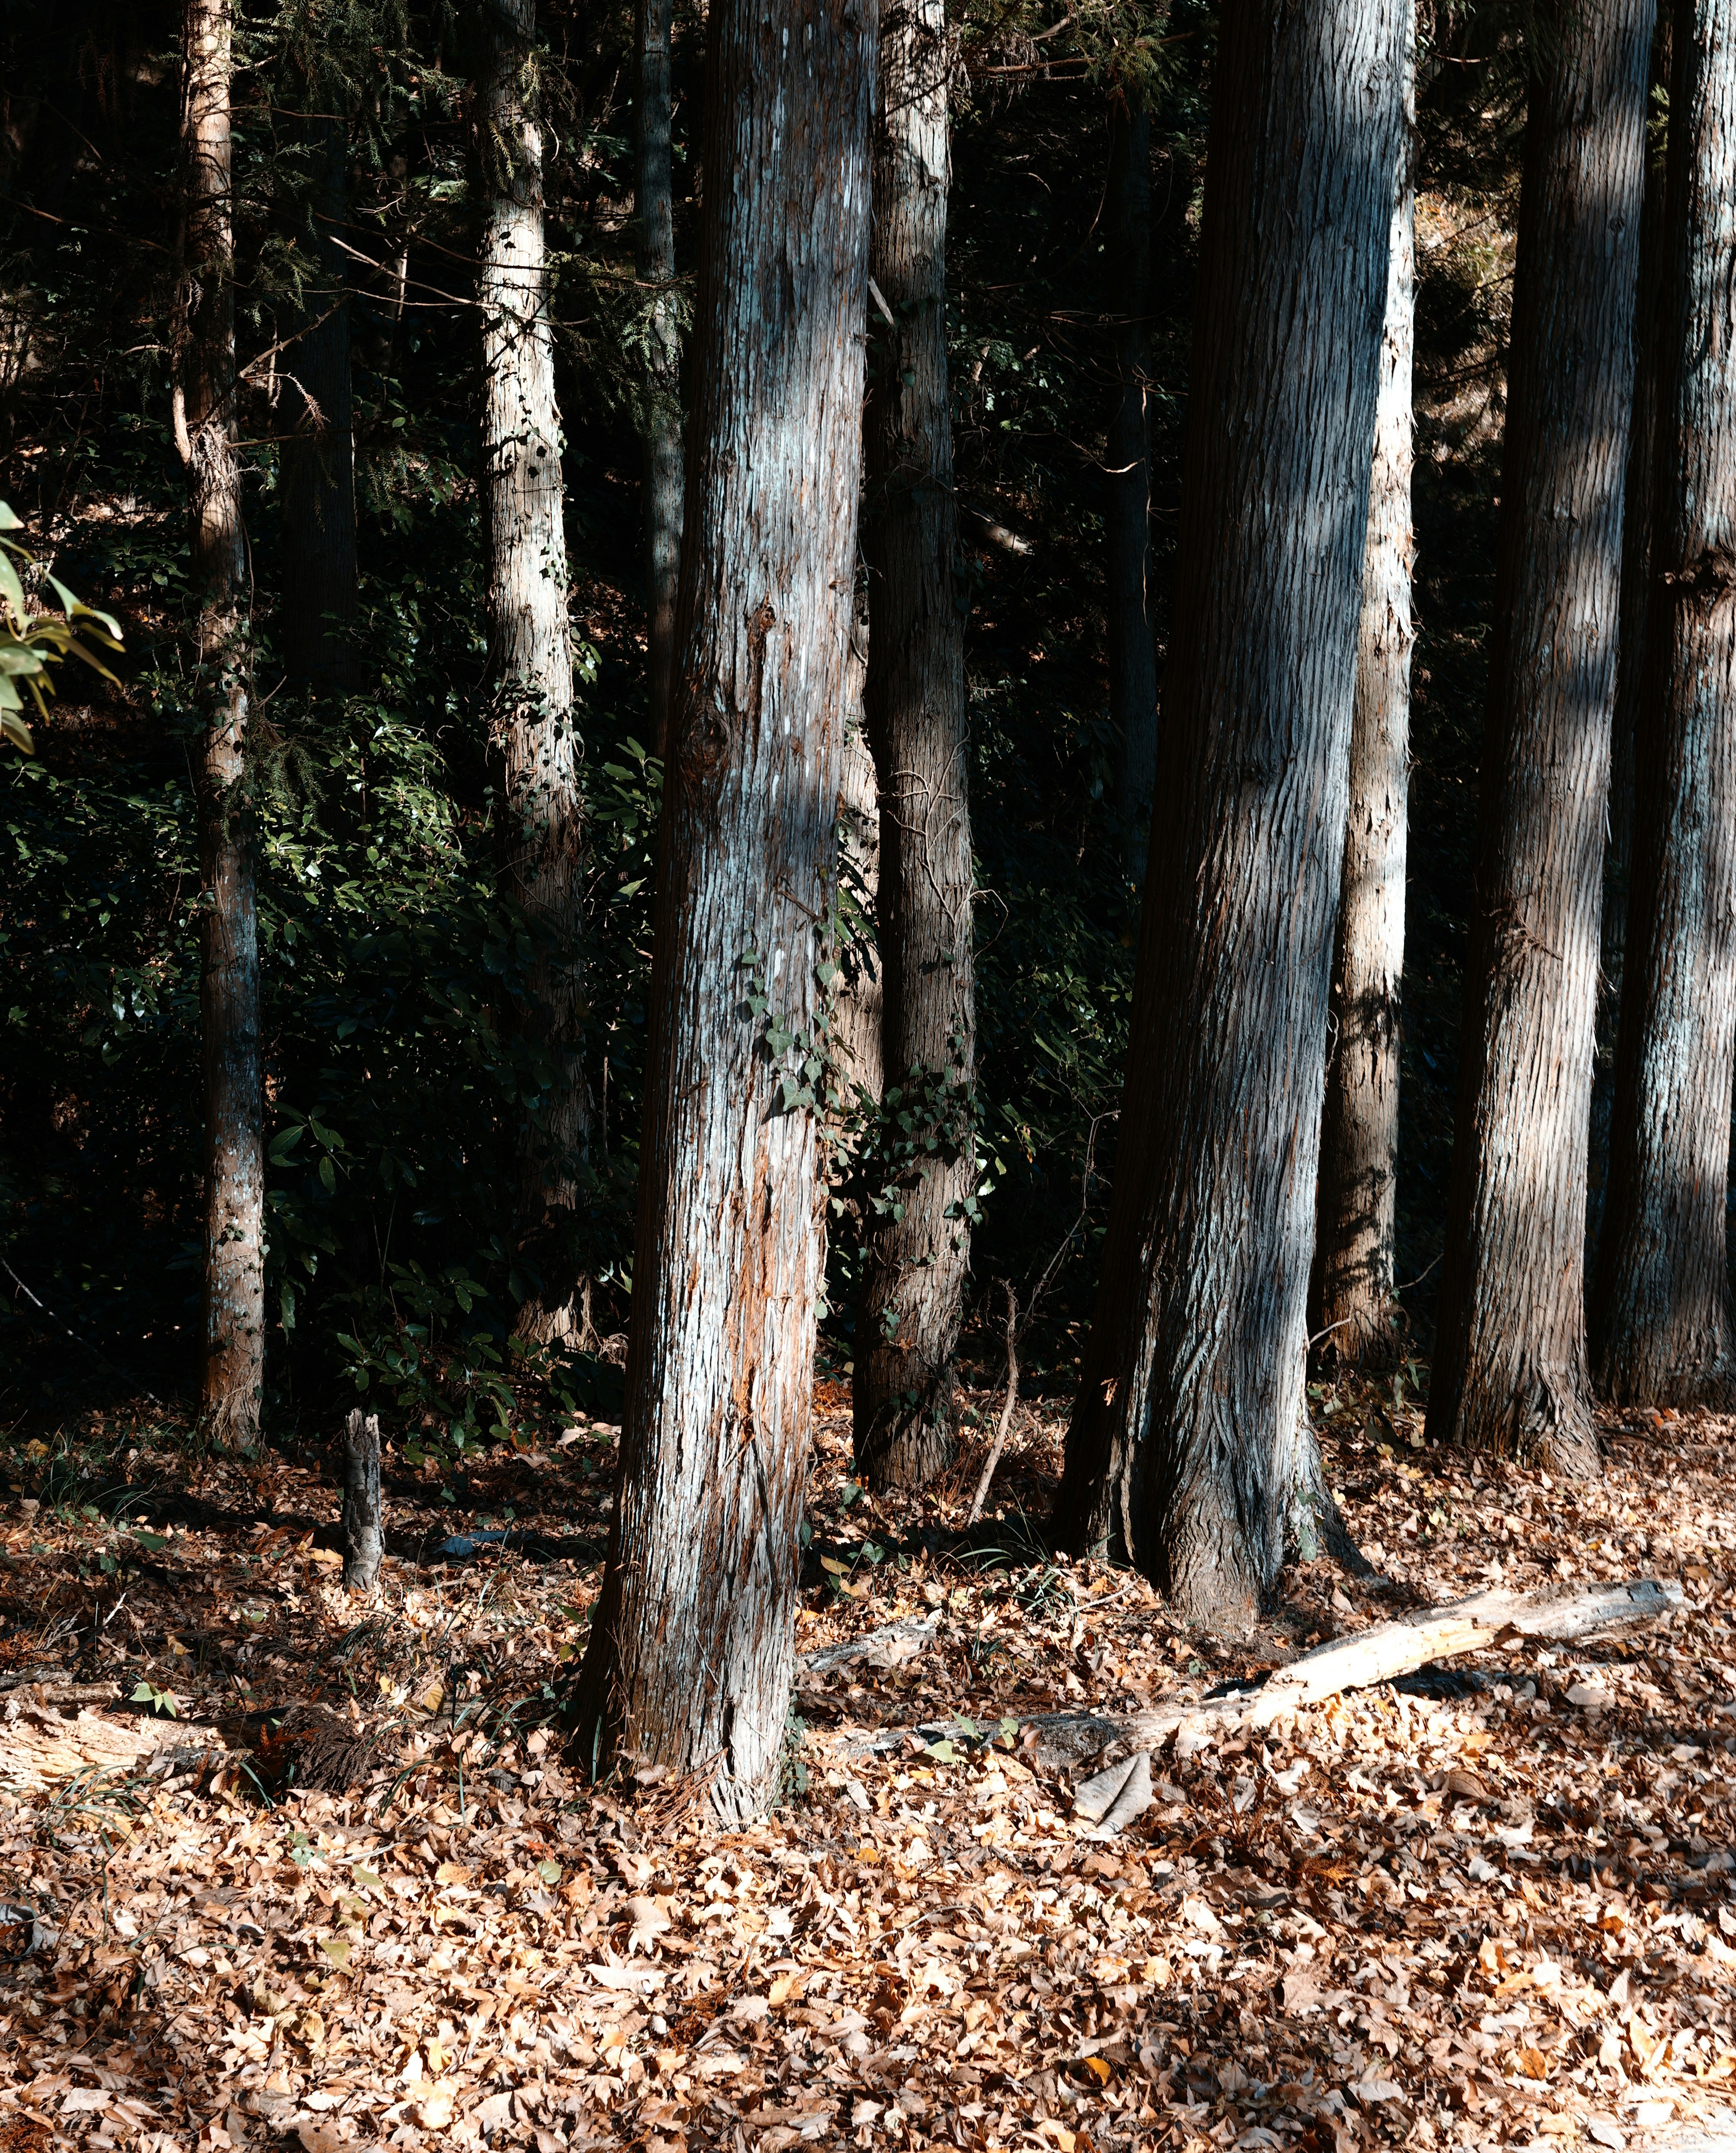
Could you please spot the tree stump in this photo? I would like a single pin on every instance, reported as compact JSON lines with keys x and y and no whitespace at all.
{"x":363,"y":1538}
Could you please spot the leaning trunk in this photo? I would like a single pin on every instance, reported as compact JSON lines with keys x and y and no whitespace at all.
{"x":317,"y":472}
{"x":1189,"y":1442}
{"x":1663,"y":1321}
{"x":663,"y":359}
{"x":919,"y":1250}
{"x":1352,"y":1304}
{"x":1510,"y":1370}
{"x":687,"y":1674}
{"x":1126,"y":506}
{"x":530,"y":663}
{"x":234,"y":1273}
{"x":1639,"y":488}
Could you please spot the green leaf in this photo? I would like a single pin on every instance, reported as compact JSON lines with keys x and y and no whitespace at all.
{"x":155,"y":1541}
{"x":549,"y":1871}
{"x":336,"y":1949}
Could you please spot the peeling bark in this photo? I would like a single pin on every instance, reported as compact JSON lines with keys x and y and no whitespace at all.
{"x":692,"y":1647}
{"x":234,"y":1255}
{"x":1510,"y":1372}
{"x":918,"y":1256}
{"x":530,"y":655}
{"x":1664,"y":1325}
{"x":1188,"y":1444}
{"x":1351,"y":1296}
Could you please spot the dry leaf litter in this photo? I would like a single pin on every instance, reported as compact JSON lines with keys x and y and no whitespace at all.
{"x":1488,"y":1905}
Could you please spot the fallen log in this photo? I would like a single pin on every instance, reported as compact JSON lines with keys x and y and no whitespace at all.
{"x":888,"y":1647}
{"x":1064,"y":1740}
{"x":49,"y":1735}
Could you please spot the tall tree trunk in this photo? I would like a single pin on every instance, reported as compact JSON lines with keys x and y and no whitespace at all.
{"x":1638,"y":490}
{"x":1189,"y":1441}
{"x":691,"y":1649}
{"x":530,"y":654}
{"x":1127,"y":510}
{"x":319,"y":459}
{"x":858,"y":1011}
{"x":663,"y":355}
{"x":1510,"y":1368}
{"x":1664,"y":1323}
{"x":234,"y":1270}
{"x":918,"y":1251}
{"x":1351,"y":1299}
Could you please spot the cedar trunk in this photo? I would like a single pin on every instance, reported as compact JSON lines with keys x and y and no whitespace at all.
{"x":1189,"y":1443}
{"x":1510,"y":1369}
{"x":1355,"y":1210}
{"x":1639,"y":488}
{"x":691,"y":1650}
{"x":317,"y":469}
{"x":919,"y":1252}
{"x":1663,"y":1324}
{"x":663,"y":358}
{"x":858,"y":1012}
{"x":530,"y":655}
{"x":1126,"y":506}
{"x":234,"y":1269}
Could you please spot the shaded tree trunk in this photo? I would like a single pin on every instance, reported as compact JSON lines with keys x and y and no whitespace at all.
{"x":1630,"y":640}
{"x":1189,"y":1443}
{"x":1356,"y":1205}
{"x":1126,"y":508}
{"x":691,"y":1649}
{"x":1664,"y":1323}
{"x":205,"y":413}
{"x":530,"y":657}
{"x":663,"y":371}
{"x":1510,"y":1369}
{"x":317,"y":469}
{"x":918,"y":1251}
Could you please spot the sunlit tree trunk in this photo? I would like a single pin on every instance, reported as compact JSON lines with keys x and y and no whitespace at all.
{"x":858,"y":1012}
{"x":663,"y":370}
{"x":1639,"y":488}
{"x":1355,"y":1207}
{"x":1664,"y":1326}
{"x":1189,"y":1442}
{"x":317,"y":468}
{"x":1127,"y":509}
{"x":691,"y":1650}
{"x":1510,"y":1371}
{"x":530,"y":654}
{"x":918,"y":1251}
{"x":234,"y":1274}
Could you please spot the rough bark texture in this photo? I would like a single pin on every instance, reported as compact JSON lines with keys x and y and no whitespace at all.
{"x":859,"y":1013}
{"x":234,"y":1273}
{"x":1510,"y":1368}
{"x":530,"y":652}
{"x":1638,"y":490}
{"x":1127,"y":504}
{"x":663,"y":358}
{"x":318,"y":467}
{"x":1663,"y":1322}
{"x":359,"y":1519}
{"x":1188,"y":1440}
{"x":1355,"y":1210}
{"x":692,"y":1646}
{"x":919,"y":1252}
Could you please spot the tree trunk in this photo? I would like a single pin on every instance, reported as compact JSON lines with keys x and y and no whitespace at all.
{"x":1664,"y":1325}
{"x":359,"y":1519}
{"x":1351,"y":1299}
{"x":530,"y":656}
{"x":1127,"y":509}
{"x":1509,"y":1369}
{"x":1189,"y":1441}
{"x":663,"y":357}
{"x":205,"y":392}
{"x":691,"y":1649}
{"x":919,"y":1252}
{"x":858,"y":1012}
{"x":317,"y":472}
{"x":1638,"y":490}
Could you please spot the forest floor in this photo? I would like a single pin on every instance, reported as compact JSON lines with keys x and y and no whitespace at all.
{"x":1492,"y":1904}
